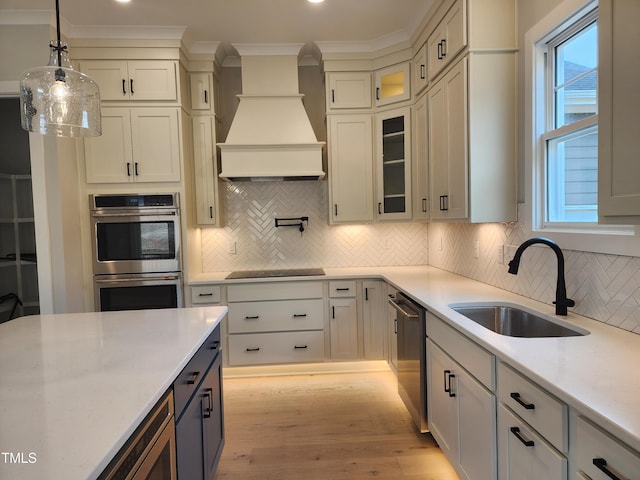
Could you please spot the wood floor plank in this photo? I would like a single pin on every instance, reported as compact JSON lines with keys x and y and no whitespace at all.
{"x":330,"y":426}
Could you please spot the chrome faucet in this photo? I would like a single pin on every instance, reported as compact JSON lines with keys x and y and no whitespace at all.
{"x":562,"y":302}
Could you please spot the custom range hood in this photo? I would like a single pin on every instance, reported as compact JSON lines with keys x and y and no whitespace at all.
{"x":271,"y":137}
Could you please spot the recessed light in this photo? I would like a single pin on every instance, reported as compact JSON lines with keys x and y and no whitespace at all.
{"x":123,"y":1}
{"x":315,"y":1}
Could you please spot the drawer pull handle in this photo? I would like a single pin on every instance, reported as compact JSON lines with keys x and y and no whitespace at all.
{"x":252,"y":317}
{"x":447,"y":383}
{"x":299,"y":315}
{"x":256,"y":349}
{"x":519,"y":436}
{"x":208,"y":409}
{"x":517,"y":398}
{"x":215,"y":345}
{"x":194,"y":377}
{"x":601,"y":465}
{"x":342,"y":289}
{"x":205,"y":294}
{"x":300,"y":347}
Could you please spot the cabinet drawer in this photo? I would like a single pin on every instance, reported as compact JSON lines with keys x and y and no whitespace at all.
{"x":346,"y":288}
{"x":479,"y":362}
{"x":538,"y":408}
{"x":598,"y":453}
{"x":274,"y":291}
{"x":205,"y":294}
{"x":189,"y":379}
{"x":283,"y":347}
{"x":248,"y":317}
{"x":523,"y":453}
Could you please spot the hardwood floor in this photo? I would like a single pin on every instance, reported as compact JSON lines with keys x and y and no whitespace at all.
{"x":329,"y":426}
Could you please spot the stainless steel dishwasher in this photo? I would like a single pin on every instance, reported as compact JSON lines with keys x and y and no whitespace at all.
{"x":411,"y":337}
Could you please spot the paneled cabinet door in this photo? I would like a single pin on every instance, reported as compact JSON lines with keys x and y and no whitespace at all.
{"x":200,"y":430}
{"x":393,"y":84}
{"x":419,"y":160}
{"x":134,"y":79}
{"x":618,"y":143}
{"x":447,"y":40}
{"x":373,"y":312}
{"x":344,"y":328}
{"x":419,"y":70}
{"x":136,"y":145}
{"x":448,"y":156}
{"x":348,"y":90}
{"x":462,"y":416}
{"x":393,"y":164}
{"x":442,"y":410}
{"x":524,"y":455}
{"x":205,"y":171}
{"x":350,"y":168}
{"x":201,"y":91}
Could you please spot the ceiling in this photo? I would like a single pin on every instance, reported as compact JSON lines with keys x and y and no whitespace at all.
{"x":369,"y":23}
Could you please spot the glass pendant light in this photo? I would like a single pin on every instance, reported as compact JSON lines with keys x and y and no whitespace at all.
{"x":56,"y":99}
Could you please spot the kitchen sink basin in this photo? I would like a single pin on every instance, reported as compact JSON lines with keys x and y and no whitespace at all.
{"x":515,"y":321}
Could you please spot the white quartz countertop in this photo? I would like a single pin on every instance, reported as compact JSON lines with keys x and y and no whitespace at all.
{"x":73,"y":387}
{"x":595,"y":373}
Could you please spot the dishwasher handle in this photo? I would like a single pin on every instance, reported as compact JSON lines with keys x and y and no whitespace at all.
{"x":404,"y":313}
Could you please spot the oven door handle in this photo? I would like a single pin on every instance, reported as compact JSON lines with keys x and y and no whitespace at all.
{"x":155,"y":213}
{"x":402,"y":310}
{"x":136,"y":280}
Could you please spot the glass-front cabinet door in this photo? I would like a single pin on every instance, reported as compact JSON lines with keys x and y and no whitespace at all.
{"x":393,"y":173}
{"x":392,"y":84}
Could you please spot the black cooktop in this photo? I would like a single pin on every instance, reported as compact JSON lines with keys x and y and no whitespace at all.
{"x":287,"y":272}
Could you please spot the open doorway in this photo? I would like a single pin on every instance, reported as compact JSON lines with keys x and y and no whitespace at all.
{"x":18,"y":263}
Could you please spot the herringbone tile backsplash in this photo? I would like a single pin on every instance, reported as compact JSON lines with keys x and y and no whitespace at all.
{"x":250,"y":210}
{"x":605,"y":287}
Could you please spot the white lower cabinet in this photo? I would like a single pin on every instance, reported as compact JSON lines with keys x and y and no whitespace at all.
{"x":275,"y":323}
{"x":599,"y":456}
{"x":374,"y":332}
{"x":533,"y":429}
{"x":462,"y":409}
{"x":525,"y":455}
{"x":343,"y":320}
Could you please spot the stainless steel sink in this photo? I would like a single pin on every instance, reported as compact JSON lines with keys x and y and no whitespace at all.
{"x":513,"y":321}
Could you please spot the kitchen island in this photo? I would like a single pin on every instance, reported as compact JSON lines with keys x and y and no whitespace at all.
{"x":74,"y":387}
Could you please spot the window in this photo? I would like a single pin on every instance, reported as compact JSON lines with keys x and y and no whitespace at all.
{"x":570,"y":135}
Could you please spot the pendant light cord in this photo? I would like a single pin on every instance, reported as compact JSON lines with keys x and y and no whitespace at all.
{"x":60,"y":75}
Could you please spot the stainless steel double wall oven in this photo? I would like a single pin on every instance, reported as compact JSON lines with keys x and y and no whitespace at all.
{"x":136,"y":251}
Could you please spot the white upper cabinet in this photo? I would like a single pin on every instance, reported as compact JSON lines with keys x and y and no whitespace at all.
{"x":348,"y":90}
{"x":419,"y":160}
{"x":392,"y":84}
{"x":448,"y":39}
{"x":136,"y":145}
{"x":205,"y":172}
{"x":393,"y":164}
{"x":201,"y":89}
{"x":619,"y":103}
{"x":419,"y":70}
{"x":350,"y":168}
{"x":149,"y":80}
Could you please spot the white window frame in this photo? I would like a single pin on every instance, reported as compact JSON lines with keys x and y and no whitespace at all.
{"x":590,"y":237}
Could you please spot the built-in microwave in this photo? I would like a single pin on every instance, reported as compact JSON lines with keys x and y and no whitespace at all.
{"x":135,"y":233}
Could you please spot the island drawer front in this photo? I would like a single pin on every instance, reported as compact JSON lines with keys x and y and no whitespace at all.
{"x":249,"y":317}
{"x":539,"y":460}
{"x":479,"y":362}
{"x":344,"y":288}
{"x":539,"y":409}
{"x":274,"y":291}
{"x":189,"y":379}
{"x":593,"y":446}
{"x":282,"y":347}
{"x":205,"y":294}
